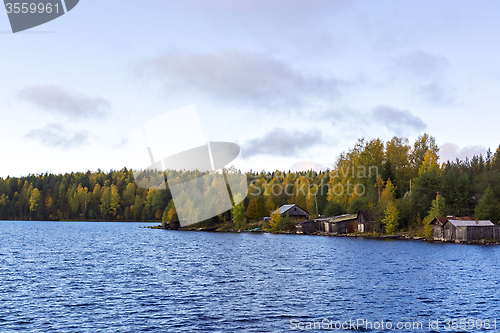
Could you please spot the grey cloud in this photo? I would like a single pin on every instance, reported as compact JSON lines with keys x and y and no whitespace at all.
{"x":70,"y":103}
{"x":281,"y":142}
{"x":450,"y":152}
{"x":399,"y":121}
{"x":56,"y":136}
{"x":421,"y":64}
{"x":241,"y":76}
{"x":437,"y":93}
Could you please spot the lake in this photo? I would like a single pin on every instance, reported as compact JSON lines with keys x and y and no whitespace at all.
{"x":122,"y":277}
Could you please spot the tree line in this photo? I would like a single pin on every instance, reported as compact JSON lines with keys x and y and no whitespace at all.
{"x":402,"y":184}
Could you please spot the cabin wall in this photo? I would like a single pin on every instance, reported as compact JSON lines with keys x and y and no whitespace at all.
{"x":306,"y":227}
{"x":437,"y":231}
{"x":351,"y":227}
{"x":449,"y":233}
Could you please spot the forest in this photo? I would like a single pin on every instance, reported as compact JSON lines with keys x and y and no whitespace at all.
{"x":404,"y":185}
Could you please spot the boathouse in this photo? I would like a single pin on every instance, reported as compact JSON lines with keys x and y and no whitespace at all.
{"x":469,"y":230}
{"x":438,"y":225}
{"x":341,"y":224}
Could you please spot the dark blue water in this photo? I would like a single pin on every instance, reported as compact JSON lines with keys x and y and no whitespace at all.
{"x":119,"y":277}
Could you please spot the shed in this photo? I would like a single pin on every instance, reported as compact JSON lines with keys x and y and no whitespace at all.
{"x":341,"y":224}
{"x":469,"y":230}
{"x":438,"y":224}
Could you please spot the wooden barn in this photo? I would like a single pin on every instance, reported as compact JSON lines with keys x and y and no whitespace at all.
{"x":342,"y":224}
{"x":295,"y":212}
{"x":438,"y":225}
{"x":469,"y":230}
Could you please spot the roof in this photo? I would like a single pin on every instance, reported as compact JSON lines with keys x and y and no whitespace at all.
{"x":443,"y":219}
{"x":283,"y":209}
{"x":344,"y":217}
{"x":471,"y":223}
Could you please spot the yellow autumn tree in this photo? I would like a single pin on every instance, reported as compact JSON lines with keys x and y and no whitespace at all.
{"x":275,"y":219}
{"x":430,"y":162}
{"x":391,"y":219}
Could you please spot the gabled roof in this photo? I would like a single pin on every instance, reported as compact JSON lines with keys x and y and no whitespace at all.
{"x":443,"y":219}
{"x":471,"y":223}
{"x":283,"y":209}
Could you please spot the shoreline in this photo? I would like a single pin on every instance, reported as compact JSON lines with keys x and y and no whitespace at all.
{"x":402,"y":236}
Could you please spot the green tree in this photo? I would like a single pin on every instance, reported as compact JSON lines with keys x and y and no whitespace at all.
{"x":238,"y":212}
{"x":106,"y":203}
{"x":129,"y":194}
{"x":4,"y":206}
{"x":488,"y":207}
{"x":138,"y":207}
{"x":397,"y":152}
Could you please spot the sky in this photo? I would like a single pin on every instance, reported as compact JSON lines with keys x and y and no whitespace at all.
{"x":294,"y":83}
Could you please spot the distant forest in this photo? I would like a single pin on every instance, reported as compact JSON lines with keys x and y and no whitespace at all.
{"x":402,"y":184}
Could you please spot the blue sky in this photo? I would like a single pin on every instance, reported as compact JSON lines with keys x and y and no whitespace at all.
{"x":294,"y":83}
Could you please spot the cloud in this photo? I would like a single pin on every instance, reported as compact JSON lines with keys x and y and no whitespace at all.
{"x":56,"y":136}
{"x":306,"y":166}
{"x":242,"y":76}
{"x":426,"y":73}
{"x":281,"y":142}
{"x":421,"y":64}
{"x":70,"y":103}
{"x":437,"y":93}
{"x":399,"y":121}
{"x":450,"y":152}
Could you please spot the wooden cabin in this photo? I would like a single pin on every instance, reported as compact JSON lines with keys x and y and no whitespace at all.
{"x":295,"y":212}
